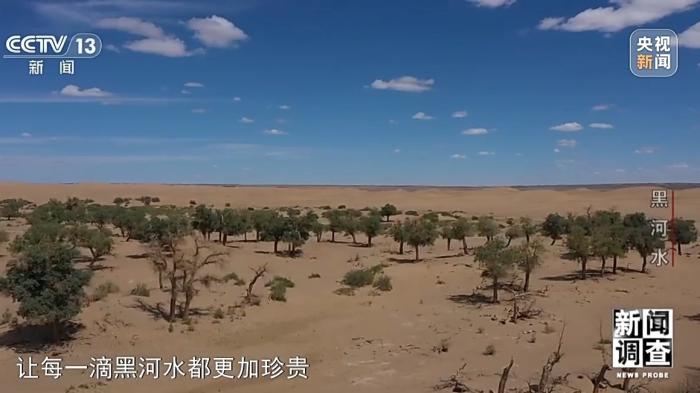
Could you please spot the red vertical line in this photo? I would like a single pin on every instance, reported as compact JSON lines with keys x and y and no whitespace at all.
{"x":673,"y":227}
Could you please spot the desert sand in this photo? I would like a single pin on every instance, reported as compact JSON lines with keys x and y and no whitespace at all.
{"x":369,"y":342}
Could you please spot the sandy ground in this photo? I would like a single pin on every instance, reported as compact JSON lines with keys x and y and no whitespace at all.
{"x":369,"y":342}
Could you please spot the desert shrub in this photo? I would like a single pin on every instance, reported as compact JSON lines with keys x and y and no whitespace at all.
{"x":219,"y":313}
{"x":383,"y":283}
{"x":141,"y":290}
{"x":192,"y":202}
{"x":6,"y":317}
{"x":278,"y":293}
{"x":442,"y":346}
{"x":480,"y":330}
{"x":490,"y":350}
{"x":342,"y":207}
{"x":278,"y":288}
{"x":361,"y":277}
{"x":4,"y":237}
{"x":314,"y":275}
{"x":280,"y":281}
{"x":234,"y":277}
{"x":411,"y":213}
{"x":325,"y":207}
{"x":103,"y":290}
{"x":475,"y":218}
{"x":227,"y":204}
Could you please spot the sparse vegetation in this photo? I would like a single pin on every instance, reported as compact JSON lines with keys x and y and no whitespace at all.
{"x":141,"y":290}
{"x":103,"y":290}
{"x":383,"y":283}
{"x":490,"y":350}
{"x":357,"y":278}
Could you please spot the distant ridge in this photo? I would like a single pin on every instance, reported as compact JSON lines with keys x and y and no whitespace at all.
{"x":608,"y":186}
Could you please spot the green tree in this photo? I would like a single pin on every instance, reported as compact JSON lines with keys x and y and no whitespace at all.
{"x":371,"y":226}
{"x":38,"y":233}
{"x":233,"y":223}
{"x":487,"y":227}
{"x":420,"y":233}
{"x":683,"y":232}
{"x":528,"y":227}
{"x":98,"y":241}
{"x":351,"y":225}
{"x":336,"y":221}
{"x":47,"y":285}
{"x":259,"y":220}
{"x":388,"y":210}
{"x":497,"y":261}
{"x":554,"y":227}
{"x":398,"y":232}
{"x":205,"y":220}
{"x":446,"y":232}
{"x":640,"y":238}
{"x":461,"y":229}
{"x":12,"y":208}
{"x":579,"y":245}
{"x":530,"y":259}
{"x":513,"y":232}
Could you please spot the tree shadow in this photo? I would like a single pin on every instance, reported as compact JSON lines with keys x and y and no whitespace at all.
{"x":450,"y":256}
{"x":138,"y":256}
{"x":564,"y":277}
{"x":695,"y":318}
{"x":472,"y":299}
{"x":404,"y":260}
{"x":156,"y":311}
{"x":38,"y":338}
{"x":358,"y":245}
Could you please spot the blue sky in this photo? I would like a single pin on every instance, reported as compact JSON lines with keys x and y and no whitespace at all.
{"x":436,"y":92}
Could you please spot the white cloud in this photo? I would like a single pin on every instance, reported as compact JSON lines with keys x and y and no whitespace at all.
{"x":246,"y":120}
{"x":601,"y":107}
{"x":556,"y":150}
{"x":620,"y":170}
{"x":156,"y":41}
{"x":605,"y":126}
{"x":680,"y":165}
{"x":492,"y":3}
{"x":236,"y":99}
{"x":274,"y":131}
{"x":409,"y":84}
{"x":199,"y":111}
{"x":113,"y":48}
{"x":485,"y":153}
{"x":216,"y":31}
{"x":475,"y":131}
{"x":422,"y":116}
{"x":397,"y":151}
{"x":164,"y":46}
{"x":566,"y":143}
{"x":691,"y":37}
{"x":76,"y":91}
{"x":567,"y":127}
{"x":193,"y":84}
{"x":645,"y":150}
{"x":26,"y":135}
{"x":185,"y":91}
{"x":134,"y":26}
{"x":458,"y":156}
{"x":618,"y":15}
{"x":392,"y":121}
{"x":460,"y":114}
{"x":284,"y":107}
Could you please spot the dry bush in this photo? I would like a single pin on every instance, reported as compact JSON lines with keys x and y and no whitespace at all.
{"x":141,"y":289}
{"x":103,"y":290}
{"x":489,"y":350}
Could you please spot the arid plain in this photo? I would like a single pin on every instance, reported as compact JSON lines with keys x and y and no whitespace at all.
{"x":408,"y":339}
